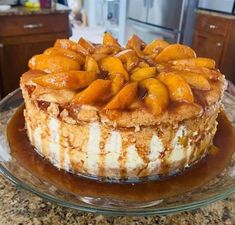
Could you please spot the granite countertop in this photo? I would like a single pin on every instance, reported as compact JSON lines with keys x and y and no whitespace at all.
{"x":218,"y":14}
{"x":19,"y":207}
{"x":21,"y":10}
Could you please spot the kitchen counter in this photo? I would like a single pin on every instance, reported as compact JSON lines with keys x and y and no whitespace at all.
{"x":218,"y":14}
{"x":21,"y":10}
{"x":19,"y":207}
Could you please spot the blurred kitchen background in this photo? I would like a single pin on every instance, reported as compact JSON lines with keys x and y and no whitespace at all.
{"x":28,"y":27}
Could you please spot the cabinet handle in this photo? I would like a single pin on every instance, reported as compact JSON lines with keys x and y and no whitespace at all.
{"x":212,"y":26}
{"x":33,"y":26}
{"x":218,"y":44}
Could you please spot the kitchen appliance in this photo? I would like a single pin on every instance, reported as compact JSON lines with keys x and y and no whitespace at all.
{"x":226,"y":6}
{"x":166,"y":19}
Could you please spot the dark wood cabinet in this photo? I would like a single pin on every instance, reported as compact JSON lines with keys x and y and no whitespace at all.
{"x":23,"y":36}
{"x":214,"y":38}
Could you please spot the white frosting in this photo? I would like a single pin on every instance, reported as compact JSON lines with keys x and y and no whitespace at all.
{"x":67,"y":164}
{"x":178,"y":151}
{"x":54,"y":146}
{"x":93,"y":148}
{"x":38,"y":139}
{"x":133,"y":160}
{"x":156,"y":147}
{"x":113,"y":149}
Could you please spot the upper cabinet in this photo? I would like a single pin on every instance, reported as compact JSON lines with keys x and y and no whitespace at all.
{"x":214,"y":38}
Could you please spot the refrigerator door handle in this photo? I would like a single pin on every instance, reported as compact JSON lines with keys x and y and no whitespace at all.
{"x":151,"y":3}
{"x":145,"y":3}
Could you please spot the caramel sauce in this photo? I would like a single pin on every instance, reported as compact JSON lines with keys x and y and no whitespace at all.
{"x":193,"y":177}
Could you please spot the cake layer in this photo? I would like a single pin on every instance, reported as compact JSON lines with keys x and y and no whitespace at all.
{"x":98,"y":149}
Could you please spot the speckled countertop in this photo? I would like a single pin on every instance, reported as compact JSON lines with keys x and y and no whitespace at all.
{"x":19,"y":207}
{"x":21,"y":10}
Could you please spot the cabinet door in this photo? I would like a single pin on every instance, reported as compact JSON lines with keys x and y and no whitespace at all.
{"x":14,"y":62}
{"x":210,"y":46}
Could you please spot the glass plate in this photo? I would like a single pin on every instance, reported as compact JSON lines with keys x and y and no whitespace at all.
{"x":218,"y":188}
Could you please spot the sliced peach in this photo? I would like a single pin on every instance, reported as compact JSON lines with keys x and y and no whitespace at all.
{"x":157,"y":98}
{"x":71,"y":45}
{"x":175,"y":51}
{"x":108,"y":39}
{"x":198,"y":62}
{"x":87,"y":45}
{"x":117,"y":82}
{"x":104,"y":49}
{"x":94,"y":93}
{"x":143,"y":64}
{"x":125,"y":55}
{"x":178,"y":88}
{"x":124,"y":97}
{"x":66,"y":80}
{"x":98,"y":56}
{"x":195,"y":80}
{"x":65,"y":52}
{"x":53,"y":64}
{"x":91,"y":65}
{"x":155,"y":46}
{"x":132,"y":63}
{"x":113,"y":65}
{"x":207,"y":73}
{"x":136,"y":44}
{"x":143,"y":73}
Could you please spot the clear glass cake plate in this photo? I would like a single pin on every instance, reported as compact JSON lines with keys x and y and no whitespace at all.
{"x":218,"y":188}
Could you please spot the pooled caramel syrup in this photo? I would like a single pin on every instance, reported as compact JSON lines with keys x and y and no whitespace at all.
{"x":191,"y":178}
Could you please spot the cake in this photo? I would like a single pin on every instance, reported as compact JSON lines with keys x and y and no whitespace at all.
{"x":104,"y":110}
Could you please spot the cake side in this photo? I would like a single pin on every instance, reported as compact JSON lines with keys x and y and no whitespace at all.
{"x":100,"y":150}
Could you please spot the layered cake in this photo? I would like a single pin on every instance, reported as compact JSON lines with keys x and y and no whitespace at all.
{"x":121,"y":112}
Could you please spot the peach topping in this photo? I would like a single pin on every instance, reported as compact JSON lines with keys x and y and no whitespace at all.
{"x":110,"y":74}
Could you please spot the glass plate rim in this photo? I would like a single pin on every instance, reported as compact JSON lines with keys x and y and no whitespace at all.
{"x":117,"y":212}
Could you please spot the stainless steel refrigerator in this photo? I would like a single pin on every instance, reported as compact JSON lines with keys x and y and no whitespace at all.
{"x":172,"y":20}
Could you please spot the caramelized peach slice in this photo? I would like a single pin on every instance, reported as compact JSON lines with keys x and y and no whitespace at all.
{"x":53,"y":64}
{"x":71,"y":45}
{"x":155,"y":46}
{"x":98,"y":56}
{"x":198,"y":62}
{"x":94,"y":93}
{"x":65,"y":52}
{"x":158,"y":98}
{"x":117,"y":82}
{"x":66,"y":80}
{"x":143,"y":64}
{"x":104,"y":49}
{"x":132,"y":63}
{"x":143,"y":73}
{"x":91,"y":65}
{"x":124,"y":97}
{"x":196,"y":81}
{"x":207,"y":73}
{"x":113,"y":65}
{"x":136,"y":44}
{"x":175,"y":51}
{"x":178,"y":88}
{"x":108,"y":39}
{"x":125,"y":55}
{"x":87,"y":45}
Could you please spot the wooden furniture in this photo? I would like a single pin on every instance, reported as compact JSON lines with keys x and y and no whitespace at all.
{"x":23,"y":34}
{"x":214,"y":37}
